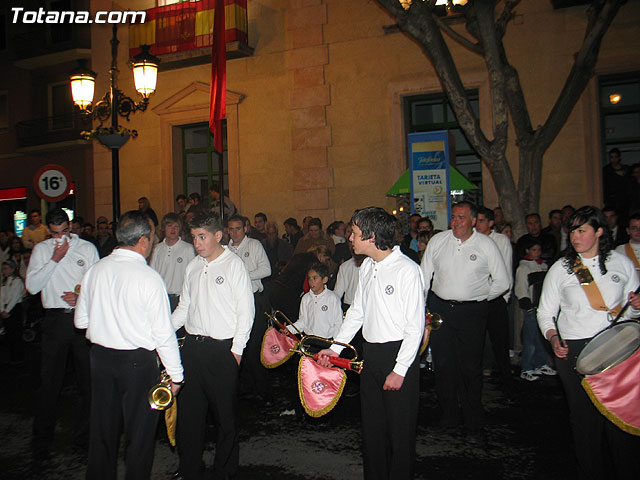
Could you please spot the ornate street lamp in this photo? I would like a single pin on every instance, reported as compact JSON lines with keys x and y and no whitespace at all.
{"x":115,"y":103}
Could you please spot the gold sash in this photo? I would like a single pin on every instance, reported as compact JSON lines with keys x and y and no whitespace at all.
{"x":632,"y":255}
{"x":591,"y":289}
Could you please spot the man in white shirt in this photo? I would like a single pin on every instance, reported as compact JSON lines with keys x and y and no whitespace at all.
{"x":498,"y":318}
{"x":124,"y":307}
{"x":216,"y":309}
{"x":463,"y":270}
{"x":253,"y":255}
{"x":171,"y":257}
{"x":632,"y":249}
{"x":56,"y":269}
{"x":389,"y":306}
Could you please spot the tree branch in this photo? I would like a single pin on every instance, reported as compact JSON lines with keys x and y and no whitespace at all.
{"x":462,"y":40}
{"x":581,"y":73}
{"x":505,"y":17}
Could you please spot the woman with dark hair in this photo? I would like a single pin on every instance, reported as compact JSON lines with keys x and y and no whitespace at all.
{"x":589,"y":259}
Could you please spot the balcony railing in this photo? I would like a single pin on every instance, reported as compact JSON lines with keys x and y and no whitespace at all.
{"x":50,"y":130}
{"x":45,"y":40}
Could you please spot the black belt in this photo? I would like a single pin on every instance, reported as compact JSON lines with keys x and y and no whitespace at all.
{"x":60,"y":310}
{"x":458,"y":302}
{"x":206,"y":338}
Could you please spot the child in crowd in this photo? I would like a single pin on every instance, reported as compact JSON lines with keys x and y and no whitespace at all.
{"x":11,"y":295}
{"x":528,"y":284}
{"x":320,"y":309}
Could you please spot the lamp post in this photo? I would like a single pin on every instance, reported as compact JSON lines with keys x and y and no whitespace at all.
{"x":115,"y":103}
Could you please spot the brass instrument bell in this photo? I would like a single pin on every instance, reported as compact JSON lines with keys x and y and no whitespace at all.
{"x":160,"y":396}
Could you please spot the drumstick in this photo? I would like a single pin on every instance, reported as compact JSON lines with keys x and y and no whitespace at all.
{"x":555,"y":322}
{"x":624,"y":309}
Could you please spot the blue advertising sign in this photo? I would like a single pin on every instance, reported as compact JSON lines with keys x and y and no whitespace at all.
{"x":430,"y":182}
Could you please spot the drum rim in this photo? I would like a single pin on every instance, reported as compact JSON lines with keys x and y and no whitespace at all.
{"x":584,"y":351}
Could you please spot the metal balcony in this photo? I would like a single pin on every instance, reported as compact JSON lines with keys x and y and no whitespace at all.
{"x":52,"y":132}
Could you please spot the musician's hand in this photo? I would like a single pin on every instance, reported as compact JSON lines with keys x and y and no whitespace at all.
{"x":175,"y":388}
{"x":70,"y":297}
{"x":323,"y":357}
{"x":237,"y":357}
{"x":560,"y":348}
{"x":634,"y":300}
{"x":60,"y":250}
{"x":393,"y":382}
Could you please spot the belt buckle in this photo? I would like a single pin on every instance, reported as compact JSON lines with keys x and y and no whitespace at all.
{"x":199,"y":338}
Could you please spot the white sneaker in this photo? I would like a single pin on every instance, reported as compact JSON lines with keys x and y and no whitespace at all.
{"x":529,"y":376}
{"x":545,"y":370}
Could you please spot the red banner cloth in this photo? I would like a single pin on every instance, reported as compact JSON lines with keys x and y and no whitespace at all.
{"x":218,"y":92}
{"x":616,"y":393}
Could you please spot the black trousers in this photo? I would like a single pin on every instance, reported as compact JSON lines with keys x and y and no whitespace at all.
{"x":121,"y":380}
{"x":13,"y":329}
{"x":602,"y":449}
{"x":457,"y":360}
{"x":211,"y":382}
{"x":59,"y":337}
{"x":498,"y":329}
{"x":253,"y":375}
{"x":389,"y":418}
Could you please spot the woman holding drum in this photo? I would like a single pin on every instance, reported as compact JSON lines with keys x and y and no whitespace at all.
{"x":585,"y":290}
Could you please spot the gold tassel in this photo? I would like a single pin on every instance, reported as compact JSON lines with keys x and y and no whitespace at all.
{"x":328,"y":408}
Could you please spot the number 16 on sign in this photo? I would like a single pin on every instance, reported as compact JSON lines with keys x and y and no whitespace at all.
{"x":52,"y":183}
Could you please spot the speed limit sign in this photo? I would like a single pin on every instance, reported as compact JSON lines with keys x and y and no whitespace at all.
{"x":52,"y":183}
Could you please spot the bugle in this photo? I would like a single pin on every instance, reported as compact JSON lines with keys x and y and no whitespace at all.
{"x":432,"y":321}
{"x":352,"y":364}
{"x":160,"y":396}
{"x":281,"y":321}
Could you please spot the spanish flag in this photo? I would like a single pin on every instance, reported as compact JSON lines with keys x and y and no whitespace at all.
{"x":218,"y":92}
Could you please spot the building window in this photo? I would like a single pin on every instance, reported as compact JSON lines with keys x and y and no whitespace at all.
{"x":61,"y":32}
{"x":202,"y":165}
{"x":620,"y":115}
{"x":427,"y":113}
{"x":3,"y":30}
{"x":4,"y":112}
{"x":60,"y":106}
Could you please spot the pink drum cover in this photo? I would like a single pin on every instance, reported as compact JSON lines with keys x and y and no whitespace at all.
{"x":616,"y":393}
{"x":276,"y":348}
{"x":319,"y":387}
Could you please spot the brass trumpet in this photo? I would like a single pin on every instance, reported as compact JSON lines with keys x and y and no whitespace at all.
{"x":282,"y":323}
{"x":160,"y":396}
{"x":353,"y":364}
{"x":433,"y":320}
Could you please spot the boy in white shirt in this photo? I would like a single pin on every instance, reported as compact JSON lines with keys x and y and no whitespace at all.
{"x":171,"y":257}
{"x":320,"y":310}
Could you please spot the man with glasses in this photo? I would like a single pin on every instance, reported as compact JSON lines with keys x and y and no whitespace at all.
{"x":35,"y":232}
{"x":56,"y":268}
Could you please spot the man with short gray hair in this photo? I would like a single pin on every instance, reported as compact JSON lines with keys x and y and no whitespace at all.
{"x":124,"y":306}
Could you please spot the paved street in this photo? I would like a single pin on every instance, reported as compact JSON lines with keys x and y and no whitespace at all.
{"x":527,"y":436}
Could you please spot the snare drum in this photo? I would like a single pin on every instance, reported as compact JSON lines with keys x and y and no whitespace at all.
{"x":609,"y":348}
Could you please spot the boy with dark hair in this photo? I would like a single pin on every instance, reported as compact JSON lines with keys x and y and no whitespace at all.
{"x":389,"y":306}
{"x":216,"y":308}
{"x":320,"y":310}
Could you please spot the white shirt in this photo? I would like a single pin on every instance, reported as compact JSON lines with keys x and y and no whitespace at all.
{"x":522,"y":288}
{"x":636,"y":250}
{"x":389,"y":306}
{"x":171,"y":263}
{"x":347,"y":281}
{"x":562,"y":292}
{"x":123,"y":305}
{"x":11,"y":293}
{"x":255,"y":258}
{"x":53,"y":279}
{"x":217,"y":300}
{"x":472,"y":270}
{"x":320,"y":315}
{"x":506,"y":250}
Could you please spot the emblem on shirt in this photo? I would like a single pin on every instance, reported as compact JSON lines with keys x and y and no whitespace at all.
{"x":615,"y":278}
{"x":324,"y":308}
{"x":473,"y":257}
{"x":318,"y":387}
{"x":275,"y":349}
{"x":179,"y":259}
{"x":389,"y":290}
{"x":80,"y":263}
{"x":220,"y":280}
{"x":246,"y":254}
